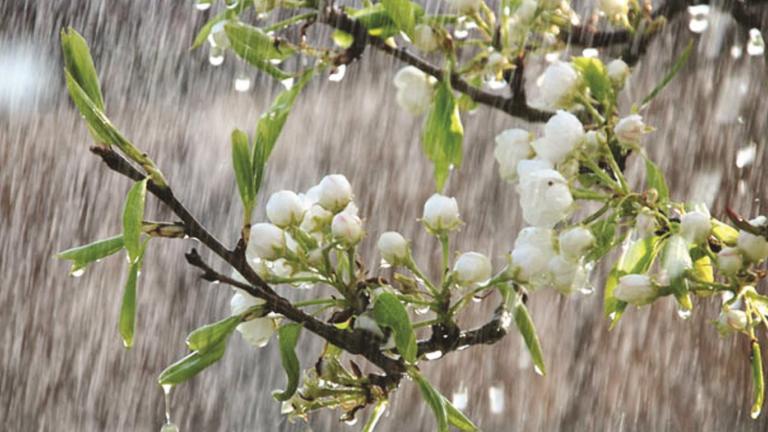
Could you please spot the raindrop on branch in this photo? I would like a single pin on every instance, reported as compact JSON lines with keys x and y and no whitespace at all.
{"x":434,"y":355}
{"x":338,"y":73}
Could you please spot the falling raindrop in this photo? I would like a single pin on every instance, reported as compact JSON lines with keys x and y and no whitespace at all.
{"x":77,"y":273}
{"x":231,"y":4}
{"x":216,"y":56}
{"x":745,"y":156}
{"x":434,"y":355}
{"x":756,"y":44}
{"x":287,"y":83}
{"x":338,"y":73}
{"x":202,"y":5}
{"x":460,"y":397}
{"x":736,"y":51}
{"x":496,"y":399}
{"x":242,"y":83}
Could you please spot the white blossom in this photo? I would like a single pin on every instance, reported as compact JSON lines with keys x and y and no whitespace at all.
{"x":558,"y":83}
{"x":630,"y":129}
{"x":256,"y":332}
{"x":755,"y":247}
{"x":334,"y":192}
{"x":575,"y":242}
{"x":393,"y":247}
{"x":512,"y":146}
{"x":285,"y":208}
{"x":414,"y":89}
{"x":441,"y":213}
{"x":544,"y":198}
{"x":562,"y":134}
{"x":636,"y":289}
{"x":528,"y":166}
{"x":695,"y":226}
{"x":736,"y":319}
{"x":347,"y":228}
{"x":424,"y":38}
{"x":677,"y":259}
{"x":567,"y":275}
{"x":618,"y":71}
{"x":729,"y":260}
{"x":266,"y":242}
{"x":472,"y":268}
{"x":315,"y":219}
{"x":528,"y":263}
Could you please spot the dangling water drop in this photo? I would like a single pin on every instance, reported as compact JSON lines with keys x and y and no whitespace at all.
{"x":755,"y":413}
{"x":242,"y":83}
{"x":683,"y":313}
{"x":77,"y":273}
{"x":538,"y":370}
{"x":216,"y":56}
{"x":756,"y":44}
{"x":231,"y":4}
{"x":351,"y":422}
{"x":494,"y":84}
{"x":461,"y":32}
{"x":421,"y":310}
{"x":338,"y":74}
{"x":460,"y":397}
{"x":168,"y":426}
{"x":384,"y":264}
{"x":287,"y":83}
{"x":434,"y":355}
{"x":203,"y":5}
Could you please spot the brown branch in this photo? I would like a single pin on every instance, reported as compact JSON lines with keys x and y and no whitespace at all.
{"x":340,"y":20}
{"x":488,"y":334}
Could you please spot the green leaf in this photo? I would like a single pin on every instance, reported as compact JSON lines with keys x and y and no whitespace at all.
{"x":192,"y":364}
{"x":202,"y":35}
{"x":288,"y":335}
{"x":257,"y":48}
{"x":209,"y":336}
{"x":99,"y":125}
{"x":133,"y":215}
{"x":81,"y":256}
{"x":376,"y":19}
{"x":528,"y":331}
{"x":457,"y":418}
{"x":679,"y":63}
{"x":758,"y":380}
{"x":604,"y":231}
{"x":595,"y":76}
{"x":654,"y":178}
{"x":389,"y":312}
{"x":612,"y":307}
{"x":79,"y":63}
{"x":271,"y":122}
{"x":435,"y":400}
{"x":127,"y":321}
{"x":402,"y":13}
{"x":443,"y":133}
{"x":241,"y":162}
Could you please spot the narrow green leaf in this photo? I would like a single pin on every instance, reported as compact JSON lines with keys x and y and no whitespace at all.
{"x":654,"y":178}
{"x":241,"y":162}
{"x":604,"y":231}
{"x":99,"y":125}
{"x":435,"y":400}
{"x":133,"y":215}
{"x":595,"y":76}
{"x":457,"y":418}
{"x":210,"y":335}
{"x":402,"y":13}
{"x":758,"y":380}
{"x":79,"y":63}
{"x":127,"y":321}
{"x":257,"y":48}
{"x":443,"y":133}
{"x":389,"y":312}
{"x":288,"y":335}
{"x":202,"y":35}
{"x":376,"y":19}
{"x":192,"y":364}
{"x":528,"y":331}
{"x":81,"y":256}
{"x":373,"y":420}
{"x":679,"y":63}
{"x":612,"y":307}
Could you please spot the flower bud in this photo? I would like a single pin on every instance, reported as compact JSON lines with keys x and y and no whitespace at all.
{"x":465,"y":6}
{"x":284,"y":208}
{"x":544,"y":198}
{"x":393,"y":247}
{"x":414,"y":92}
{"x":267,"y":241}
{"x":557,"y":84}
{"x":677,"y":259}
{"x":315,"y":219}
{"x":636,"y":289}
{"x":256,"y":331}
{"x":575,"y":242}
{"x":695,"y":226}
{"x":567,"y":275}
{"x":736,"y":319}
{"x":729,"y":260}
{"x":424,"y":38}
{"x":614,"y":9}
{"x":755,"y":247}
{"x":335,"y":192}
{"x":527,"y":263}
{"x":441,"y":213}
{"x":539,"y":238}
{"x":618,"y":71}
{"x":472,"y":268}
{"x":347,"y":228}
{"x":630,"y":129}
{"x":512,"y":146}
{"x":562,"y":133}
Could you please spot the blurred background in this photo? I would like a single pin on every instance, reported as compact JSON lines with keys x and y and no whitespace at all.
{"x":62,"y":365}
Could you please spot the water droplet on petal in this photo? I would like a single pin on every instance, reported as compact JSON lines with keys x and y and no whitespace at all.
{"x":755,"y":413}
{"x":338,"y":74}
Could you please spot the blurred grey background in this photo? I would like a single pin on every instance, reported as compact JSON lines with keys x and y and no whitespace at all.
{"x":62,"y":365}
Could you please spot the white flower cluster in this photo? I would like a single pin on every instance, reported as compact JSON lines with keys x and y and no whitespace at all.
{"x":749,"y":248}
{"x":414,"y":87}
